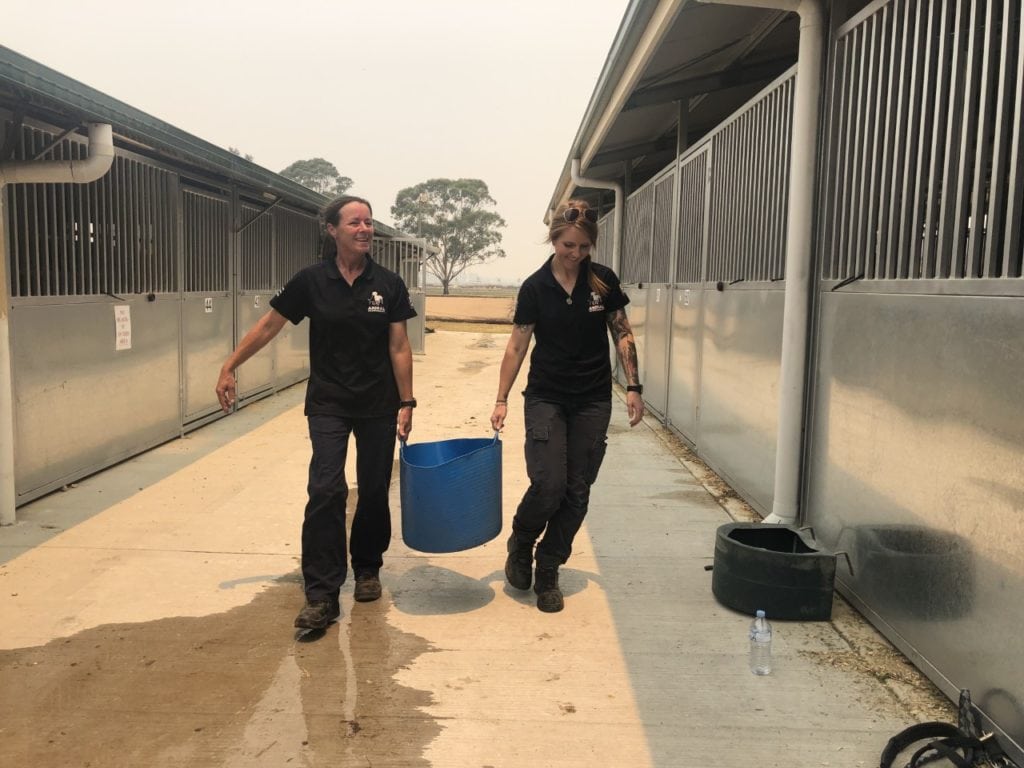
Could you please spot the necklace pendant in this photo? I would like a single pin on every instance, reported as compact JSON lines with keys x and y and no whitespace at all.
{"x":568,"y":300}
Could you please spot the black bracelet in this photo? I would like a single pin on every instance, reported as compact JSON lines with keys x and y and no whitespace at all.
{"x":408,"y":403}
{"x":638,"y":388}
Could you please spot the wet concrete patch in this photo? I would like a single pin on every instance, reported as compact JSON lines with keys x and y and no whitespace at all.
{"x":222,"y":690}
{"x":473,"y":366}
{"x":428,"y":590}
{"x":484,"y":342}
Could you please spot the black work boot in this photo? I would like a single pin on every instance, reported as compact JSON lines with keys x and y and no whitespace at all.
{"x":519,"y":563}
{"x":317,"y":614}
{"x":367,"y":587}
{"x":549,"y":596}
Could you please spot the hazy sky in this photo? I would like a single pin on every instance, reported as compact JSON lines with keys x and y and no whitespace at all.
{"x":393,"y":92}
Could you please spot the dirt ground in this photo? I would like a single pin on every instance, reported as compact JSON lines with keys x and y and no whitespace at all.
{"x":466,"y":326}
{"x":482,"y":309}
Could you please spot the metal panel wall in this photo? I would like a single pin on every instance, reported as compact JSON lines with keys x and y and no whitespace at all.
{"x":636,"y":311}
{"x":138,"y":239}
{"x":712,"y":360}
{"x":256,"y":285}
{"x":731,"y":236}
{"x":296,"y":246}
{"x":687,"y":294}
{"x":81,"y":404}
{"x":916,"y":437}
{"x":76,"y":252}
{"x":207,"y":313}
{"x":742,"y":346}
{"x":659,"y":295}
{"x":406,"y":256}
{"x":917,"y":470}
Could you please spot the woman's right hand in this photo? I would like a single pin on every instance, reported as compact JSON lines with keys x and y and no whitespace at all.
{"x":226,"y":390}
{"x":498,"y":416}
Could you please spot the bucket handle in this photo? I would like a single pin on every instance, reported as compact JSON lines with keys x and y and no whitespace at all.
{"x":403,"y":443}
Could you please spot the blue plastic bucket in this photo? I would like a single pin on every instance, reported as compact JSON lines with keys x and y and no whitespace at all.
{"x":451,"y":493}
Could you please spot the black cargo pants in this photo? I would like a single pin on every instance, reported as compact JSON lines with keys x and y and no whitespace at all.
{"x":565,"y":446}
{"x":323,"y":529}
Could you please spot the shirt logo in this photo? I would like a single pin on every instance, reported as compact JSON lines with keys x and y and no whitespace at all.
{"x":376,"y":303}
{"x":596,"y":302}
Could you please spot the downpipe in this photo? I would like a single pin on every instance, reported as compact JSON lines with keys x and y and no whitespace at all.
{"x":799,"y":224}
{"x":101,"y":156}
{"x":98,"y":162}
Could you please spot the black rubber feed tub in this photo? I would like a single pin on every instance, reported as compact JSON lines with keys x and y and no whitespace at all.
{"x":774,"y":568}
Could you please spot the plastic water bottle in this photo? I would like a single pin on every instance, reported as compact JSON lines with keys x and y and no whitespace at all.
{"x":760,"y":645}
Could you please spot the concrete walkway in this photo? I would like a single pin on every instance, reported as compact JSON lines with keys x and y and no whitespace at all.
{"x":147,"y":621}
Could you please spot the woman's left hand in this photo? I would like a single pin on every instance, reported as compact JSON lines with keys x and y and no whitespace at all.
{"x":634,"y":407}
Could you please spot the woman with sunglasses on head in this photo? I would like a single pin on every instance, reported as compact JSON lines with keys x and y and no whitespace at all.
{"x":569,"y":304}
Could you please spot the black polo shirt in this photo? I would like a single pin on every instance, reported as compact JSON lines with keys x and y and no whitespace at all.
{"x":350,"y":367}
{"x":570,"y":361}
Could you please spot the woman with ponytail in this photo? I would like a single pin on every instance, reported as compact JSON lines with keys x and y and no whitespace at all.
{"x":568,"y":305}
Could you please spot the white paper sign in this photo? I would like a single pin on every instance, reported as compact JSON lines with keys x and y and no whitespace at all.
{"x":122,"y":328}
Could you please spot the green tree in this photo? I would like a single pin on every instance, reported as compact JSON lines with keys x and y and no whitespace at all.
{"x":452,"y":215}
{"x":319,"y":175}
{"x":237,"y":151}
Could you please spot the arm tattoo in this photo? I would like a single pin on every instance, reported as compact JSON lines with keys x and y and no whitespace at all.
{"x":622,"y":335}
{"x":619,"y":326}
{"x":523,"y":328}
{"x":629,"y":362}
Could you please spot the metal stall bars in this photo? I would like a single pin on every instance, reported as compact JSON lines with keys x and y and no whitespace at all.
{"x":636,"y":265}
{"x":926,"y":144}
{"x":207,"y":314}
{"x":688,"y":292}
{"x":406,"y":256}
{"x":659,"y":292}
{"x":742,"y":303}
{"x":94,"y":314}
{"x":296,"y":246}
{"x":256,"y":285}
{"x":917,"y":426}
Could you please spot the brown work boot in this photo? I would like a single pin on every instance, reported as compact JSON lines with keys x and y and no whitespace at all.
{"x":519,"y":563}
{"x":317,"y":614}
{"x":549,"y":596}
{"x":367,"y":587}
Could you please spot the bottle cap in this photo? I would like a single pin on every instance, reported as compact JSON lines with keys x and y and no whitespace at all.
{"x":760,"y":614}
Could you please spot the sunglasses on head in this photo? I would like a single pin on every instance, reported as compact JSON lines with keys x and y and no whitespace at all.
{"x":571,"y":214}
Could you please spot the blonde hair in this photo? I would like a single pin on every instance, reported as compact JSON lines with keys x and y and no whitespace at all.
{"x":558,"y":227}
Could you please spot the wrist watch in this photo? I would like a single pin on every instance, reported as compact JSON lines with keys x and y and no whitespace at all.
{"x":408,"y":403}
{"x":638,"y":388}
